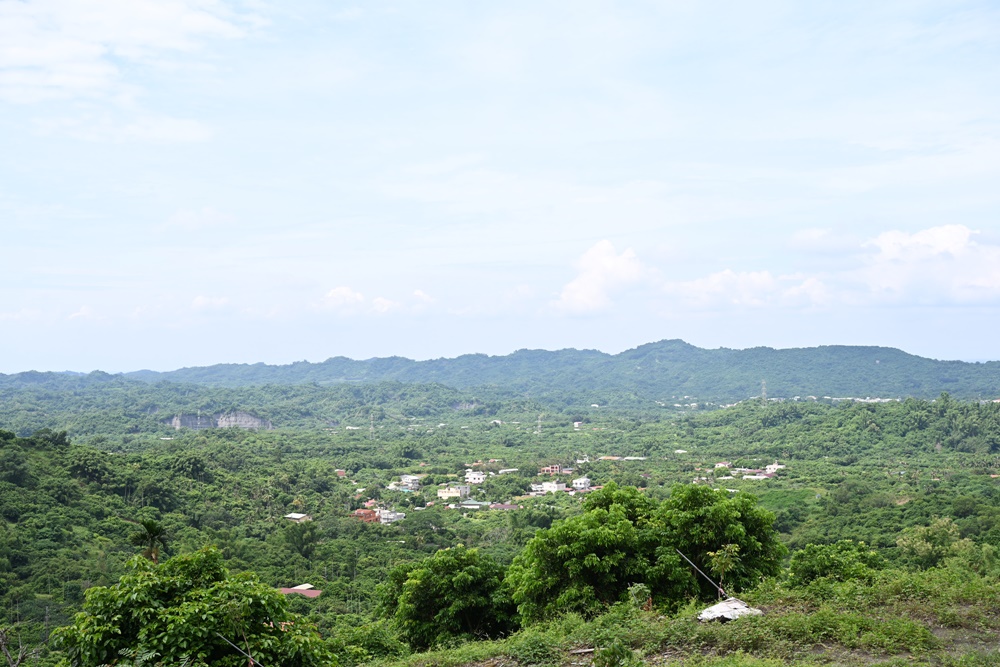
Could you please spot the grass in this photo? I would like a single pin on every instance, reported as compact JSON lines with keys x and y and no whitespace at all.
{"x":947,"y":617}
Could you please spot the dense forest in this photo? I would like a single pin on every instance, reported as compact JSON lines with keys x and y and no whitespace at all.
{"x":876,"y":533}
{"x":661,"y":374}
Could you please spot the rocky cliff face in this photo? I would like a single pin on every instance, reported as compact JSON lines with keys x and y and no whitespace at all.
{"x":242,"y":420}
{"x":238,"y":419}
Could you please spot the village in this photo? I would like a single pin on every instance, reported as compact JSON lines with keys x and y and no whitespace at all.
{"x":552,"y":479}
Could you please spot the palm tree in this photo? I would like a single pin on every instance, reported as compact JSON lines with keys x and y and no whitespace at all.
{"x":152,"y":536}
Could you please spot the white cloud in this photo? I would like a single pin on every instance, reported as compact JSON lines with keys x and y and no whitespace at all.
{"x":423,"y":297}
{"x":381,"y":305}
{"x":602,"y":271}
{"x":65,"y":49}
{"x":952,"y":240}
{"x":343,"y":298}
{"x":939,"y":264}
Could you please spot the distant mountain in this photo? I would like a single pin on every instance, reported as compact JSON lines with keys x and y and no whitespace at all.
{"x":669,"y":371}
{"x":664,"y":371}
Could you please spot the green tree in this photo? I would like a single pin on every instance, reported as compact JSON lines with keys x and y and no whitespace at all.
{"x":929,"y":545}
{"x":151,"y":536}
{"x":302,"y":538}
{"x":845,"y":560}
{"x":588,"y":562}
{"x":454,"y":593}
{"x":698,"y":521}
{"x":189,"y":610}
{"x":723,"y":561}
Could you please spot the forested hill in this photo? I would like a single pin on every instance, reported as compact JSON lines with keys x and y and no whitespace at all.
{"x":660,"y":371}
{"x":668,"y":372}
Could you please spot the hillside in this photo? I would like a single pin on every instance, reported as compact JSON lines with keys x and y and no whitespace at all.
{"x":912,"y":479}
{"x":660,"y":371}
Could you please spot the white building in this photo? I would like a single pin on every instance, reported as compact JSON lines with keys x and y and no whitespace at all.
{"x":454,"y":491}
{"x":581,"y":483}
{"x":388,"y":516}
{"x":474,"y":477}
{"x":773,"y":467}
{"x":298,"y":518}
{"x":506,"y":471}
{"x":553,"y":487}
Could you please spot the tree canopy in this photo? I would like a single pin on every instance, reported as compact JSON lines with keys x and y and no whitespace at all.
{"x":189,"y":610}
{"x":454,"y":593}
{"x":623,"y":538}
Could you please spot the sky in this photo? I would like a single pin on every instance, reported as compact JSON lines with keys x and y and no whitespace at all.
{"x":190,"y":182}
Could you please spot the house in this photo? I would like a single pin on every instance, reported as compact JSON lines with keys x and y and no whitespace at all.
{"x":773,"y":467}
{"x":389,"y":516}
{"x":537,"y":488}
{"x":504,"y":506}
{"x":340,"y":473}
{"x":723,"y":464}
{"x":454,"y":491}
{"x":506,"y":471}
{"x":410,"y":482}
{"x":581,"y":483}
{"x":367,"y":516}
{"x":553,"y":487}
{"x":551,"y":470}
{"x":756,"y":477}
{"x":474,"y":477}
{"x":307,"y":590}
{"x":406,"y":484}
{"x":470,"y":504}
{"x":297,"y":518}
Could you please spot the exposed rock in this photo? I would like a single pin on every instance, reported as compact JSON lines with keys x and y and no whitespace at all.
{"x":236,"y":419}
{"x":242,"y":420}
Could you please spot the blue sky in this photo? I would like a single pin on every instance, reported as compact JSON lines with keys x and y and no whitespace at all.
{"x":187,"y":182}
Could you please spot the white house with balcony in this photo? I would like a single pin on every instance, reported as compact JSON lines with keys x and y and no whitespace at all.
{"x":581,"y":483}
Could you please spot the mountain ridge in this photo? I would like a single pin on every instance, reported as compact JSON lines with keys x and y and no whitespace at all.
{"x":664,"y":370}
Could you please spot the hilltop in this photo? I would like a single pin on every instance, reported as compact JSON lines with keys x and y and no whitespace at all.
{"x":660,"y":371}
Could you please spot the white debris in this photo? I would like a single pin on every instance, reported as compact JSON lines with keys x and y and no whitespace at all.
{"x":728,"y":610}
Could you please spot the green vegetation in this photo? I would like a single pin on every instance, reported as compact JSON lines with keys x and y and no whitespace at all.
{"x":890,"y":514}
{"x":588,"y":562}
{"x":190,"y":611}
